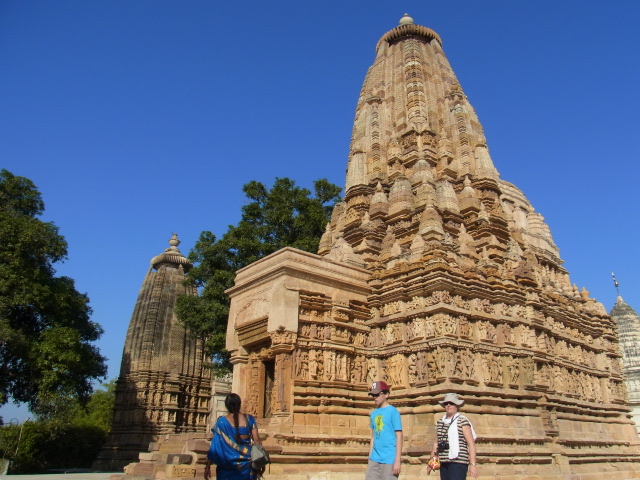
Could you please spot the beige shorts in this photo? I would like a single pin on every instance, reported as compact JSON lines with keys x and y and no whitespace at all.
{"x":380,"y":471}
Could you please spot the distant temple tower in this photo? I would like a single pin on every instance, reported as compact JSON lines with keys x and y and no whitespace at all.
{"x":629,"y":332}
{"x":163,"y":387}
{"x":434,"y":275}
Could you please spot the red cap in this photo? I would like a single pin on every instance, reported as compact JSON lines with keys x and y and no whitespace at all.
{"x":378,"y":386}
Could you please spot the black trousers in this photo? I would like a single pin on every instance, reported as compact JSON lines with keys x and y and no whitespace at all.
{"x":453,"y":471}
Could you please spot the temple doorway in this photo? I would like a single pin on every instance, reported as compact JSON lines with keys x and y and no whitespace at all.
{"x":269,"y":377}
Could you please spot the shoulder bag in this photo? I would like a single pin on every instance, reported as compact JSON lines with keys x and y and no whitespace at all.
{"x":259,"y":456}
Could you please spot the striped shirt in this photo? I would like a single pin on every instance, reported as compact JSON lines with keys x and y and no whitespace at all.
{"x":443,"y":429}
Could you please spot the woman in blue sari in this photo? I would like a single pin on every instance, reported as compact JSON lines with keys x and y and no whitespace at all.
{"x":230,"y":447}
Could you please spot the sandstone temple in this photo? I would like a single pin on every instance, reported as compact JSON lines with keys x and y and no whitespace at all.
{"x":629,"y":332}
{"x":163,"y":387}
{"x":436,"y":276}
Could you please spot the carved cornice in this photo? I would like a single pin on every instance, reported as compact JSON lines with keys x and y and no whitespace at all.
{"x":403,"y":31}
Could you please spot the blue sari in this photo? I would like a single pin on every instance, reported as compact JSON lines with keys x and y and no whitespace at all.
{"x":232,"y":458}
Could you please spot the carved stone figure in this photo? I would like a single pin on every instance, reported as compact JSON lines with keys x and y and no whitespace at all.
{"x":313,"y":365}
{"x":372,"y":370}
{"x":302,"y":365}
{"x":412,"y":368}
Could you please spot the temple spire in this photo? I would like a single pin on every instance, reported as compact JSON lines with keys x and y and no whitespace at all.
{"x":418,"y":146}
{"x":164,"y":385}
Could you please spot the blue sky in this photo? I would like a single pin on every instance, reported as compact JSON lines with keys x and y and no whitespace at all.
{"x":140,"y":119}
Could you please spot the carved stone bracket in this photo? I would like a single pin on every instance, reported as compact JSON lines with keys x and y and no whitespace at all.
{"x":283,"y":340}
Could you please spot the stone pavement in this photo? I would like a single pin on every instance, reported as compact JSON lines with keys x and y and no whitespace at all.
{"x":61,"y":476}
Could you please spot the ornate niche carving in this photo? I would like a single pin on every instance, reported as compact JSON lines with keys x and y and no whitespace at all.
{"x":439,"y":296}
{"x":458,"y":371}
{"x":283,"y":340}
{"x":301,"y":358}
{"x":395,"y":370}
{"x":392,"y":308}
{"x":464,"y":327}
{"x":416,"y":329}
{"x":445,"y":362}
{"x":326,"y":332}
{"x":430,"y":327}
{"x":492,"y":370}
{"x":252,"y":400}
{"x":372,"y":339}
{"x":316,"y":365}
{"x":329,"y":365}
{"x":417,"y":368}
{"x":416,"y":303}
{"x":445,"y":325}
{"x":507,"y":333}
{"x":409,"y":142}
{"x":283,"y":387}
{"x":460,"y":302}
{"x":482,"y":305}
{"x":392,"y":333}
{"x":501,"y":309}
{"x":617,"y":392}
{"x":372,"y":370}
{"x":561,"y":349}
{"x":527,"y":372}
{"x":304,"y":330}
{"x":541,"y":376}
{"x":433,"y":369}
{"x":486,"y":331}
{"x":465,"y":368}
{"x":412,"y":369}
{"x":359,"y":339}
{"x":359,"y":370}
{"x":597,"y":389}
{"x":513,"y":371}
{"x":340,"y":334}
{"x":556,"y":379}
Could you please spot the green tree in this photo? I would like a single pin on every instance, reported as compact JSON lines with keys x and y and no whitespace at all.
{"x":72,"y":440}
{"x":284,"y":216}
{"x":46,"y":354}
{"x":98,"y":411}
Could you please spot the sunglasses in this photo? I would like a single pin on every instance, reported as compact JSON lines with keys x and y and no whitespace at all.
{"x":375,"y":395}
{"x":446,"y":404}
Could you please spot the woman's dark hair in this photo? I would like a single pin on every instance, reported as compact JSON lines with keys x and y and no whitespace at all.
{"x":233,"y":402}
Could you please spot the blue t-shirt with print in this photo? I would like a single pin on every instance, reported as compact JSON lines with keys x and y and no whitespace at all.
{"x":385,"y":422}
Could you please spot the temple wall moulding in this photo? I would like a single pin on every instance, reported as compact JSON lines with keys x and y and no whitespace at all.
{"x":424,"y":342}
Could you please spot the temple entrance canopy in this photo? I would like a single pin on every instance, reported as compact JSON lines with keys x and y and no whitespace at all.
{"x":433,"y":275}
{"x":296,"y":292}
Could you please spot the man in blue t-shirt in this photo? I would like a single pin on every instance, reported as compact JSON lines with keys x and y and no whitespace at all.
{"x":386,"y":436}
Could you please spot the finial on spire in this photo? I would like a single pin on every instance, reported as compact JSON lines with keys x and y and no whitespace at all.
{"x":406,"y":20}
{"x":173,"y":241}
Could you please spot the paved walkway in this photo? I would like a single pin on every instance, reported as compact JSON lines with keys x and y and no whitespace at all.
{"x":60,"y":476}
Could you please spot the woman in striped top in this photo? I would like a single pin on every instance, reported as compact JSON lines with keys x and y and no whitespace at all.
{"x":455,"y":444}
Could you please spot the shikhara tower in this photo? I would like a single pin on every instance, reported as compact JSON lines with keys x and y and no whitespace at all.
{"x":434,"y":275}
{"x":163,"y":387}
{"x":629,"y":330}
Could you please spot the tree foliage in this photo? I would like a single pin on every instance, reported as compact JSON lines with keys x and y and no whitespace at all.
{"x":46,"y":354}
{"x":284,"y":216}
{"x":72,"y":440}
